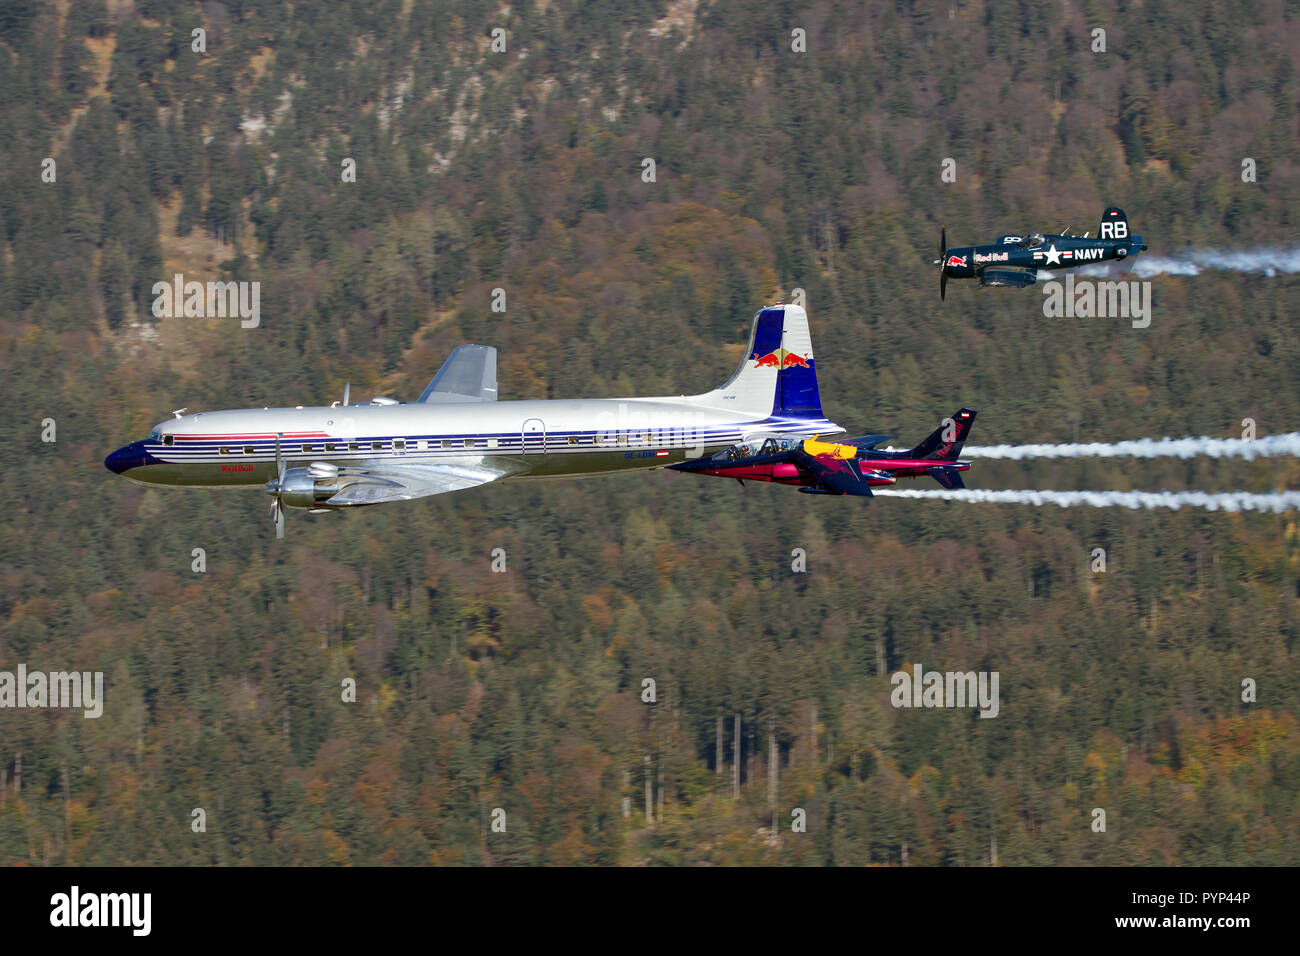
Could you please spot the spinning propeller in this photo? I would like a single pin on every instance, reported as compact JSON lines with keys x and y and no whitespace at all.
{"x":274,"y":487}
{"x":943,"y":267}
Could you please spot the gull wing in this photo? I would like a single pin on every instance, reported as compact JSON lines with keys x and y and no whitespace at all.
{"x":468,"y":375}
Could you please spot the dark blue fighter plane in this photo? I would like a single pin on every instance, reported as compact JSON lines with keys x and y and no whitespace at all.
{"x":1015,"y":260}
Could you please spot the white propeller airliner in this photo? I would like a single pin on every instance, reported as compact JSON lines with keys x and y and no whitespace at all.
{"x":457,"y":435}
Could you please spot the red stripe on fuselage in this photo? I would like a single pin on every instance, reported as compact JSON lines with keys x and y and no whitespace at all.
{"x":252,"y":437}
{"x":909,"y":464}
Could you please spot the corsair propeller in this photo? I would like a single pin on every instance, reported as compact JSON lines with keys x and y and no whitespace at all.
{"x":943,"y":266}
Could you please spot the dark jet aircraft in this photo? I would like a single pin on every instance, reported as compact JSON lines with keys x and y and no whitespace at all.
{"x":848,"y":467}
{"x":1015,"y":260}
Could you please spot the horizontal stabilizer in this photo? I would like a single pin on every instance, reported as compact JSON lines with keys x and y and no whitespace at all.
{"x":950,"y":478}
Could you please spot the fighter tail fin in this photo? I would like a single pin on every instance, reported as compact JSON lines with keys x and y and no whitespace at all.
{"x":1114,"y":224}
{"x":946,"y":441}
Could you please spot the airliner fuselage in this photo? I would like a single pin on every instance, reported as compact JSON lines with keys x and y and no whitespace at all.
{"x":535,"y":438}
{"x":457,"y":435}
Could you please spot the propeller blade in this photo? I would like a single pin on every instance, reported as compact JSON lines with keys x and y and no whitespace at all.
{"x":347,"y":390}
{"x":277,"y":509}
{"x":943,"y":265}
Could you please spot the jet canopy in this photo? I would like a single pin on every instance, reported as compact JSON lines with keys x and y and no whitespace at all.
{"x":757,"y":447}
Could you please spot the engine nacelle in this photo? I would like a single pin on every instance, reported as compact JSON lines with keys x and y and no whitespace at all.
{"x":301,"y":490}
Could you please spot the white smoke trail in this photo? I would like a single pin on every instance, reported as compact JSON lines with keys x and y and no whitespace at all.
{"x":1163,"y":265}
{"x":1268,"y":261}
{"x":1212,"y":501}
{"x":1288,"y":444}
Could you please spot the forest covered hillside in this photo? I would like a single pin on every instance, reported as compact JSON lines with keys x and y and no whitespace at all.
{"x":525,"y":171}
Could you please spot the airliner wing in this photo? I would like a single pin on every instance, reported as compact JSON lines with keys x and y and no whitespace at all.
{"x":372,"y":486}
{"x":468,"y":375}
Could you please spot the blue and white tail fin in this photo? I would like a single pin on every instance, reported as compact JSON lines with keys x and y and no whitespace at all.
{"x":778,"y":376}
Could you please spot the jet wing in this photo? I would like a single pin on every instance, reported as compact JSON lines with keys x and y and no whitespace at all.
{"x":842,"y":475}
{"x":374,"y":485}
{"x":468,"y":375}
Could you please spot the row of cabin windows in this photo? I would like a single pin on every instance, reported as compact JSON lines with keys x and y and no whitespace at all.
{"x":401,"y":444}
{"x":622,"y":438}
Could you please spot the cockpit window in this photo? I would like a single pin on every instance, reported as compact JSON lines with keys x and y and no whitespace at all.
{"x":1033,"y":239}
{"x":155,"y":435}
{"x":757,"y":448}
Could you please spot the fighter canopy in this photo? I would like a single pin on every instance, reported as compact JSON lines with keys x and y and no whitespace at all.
{"x":757,"y":447}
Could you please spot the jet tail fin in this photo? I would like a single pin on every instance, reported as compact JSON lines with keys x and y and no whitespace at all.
{"x":946,"y":441}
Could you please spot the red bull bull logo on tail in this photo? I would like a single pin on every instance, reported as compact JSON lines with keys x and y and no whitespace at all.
{"x":781,"y":358}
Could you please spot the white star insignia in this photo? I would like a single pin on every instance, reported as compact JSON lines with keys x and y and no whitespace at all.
{"x":1053,"y":256}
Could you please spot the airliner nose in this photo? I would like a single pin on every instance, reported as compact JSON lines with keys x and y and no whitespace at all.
{"x":116,"y":462}
{"x":125,"y":458}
